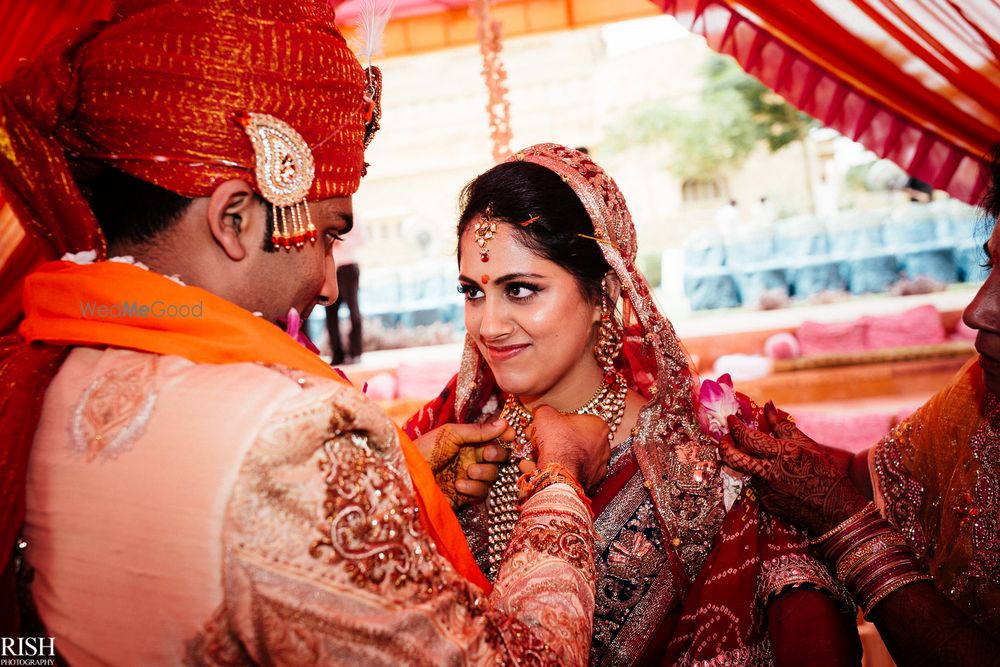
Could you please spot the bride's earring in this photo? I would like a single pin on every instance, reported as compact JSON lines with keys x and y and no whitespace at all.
{"x":609,"y":336}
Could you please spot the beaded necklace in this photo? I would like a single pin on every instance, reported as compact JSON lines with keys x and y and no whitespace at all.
{"x":608,"y":403}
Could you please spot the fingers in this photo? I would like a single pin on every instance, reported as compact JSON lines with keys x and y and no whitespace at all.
{"x":751,"y":440}
{"x":598,"y":478}
{"x":780,"y":423}
{"x":482,"y":472}
{"x":492,"y":454}
{"x":738,"y":460}
{"x":543,"y":411}
{"x":527,"y":466}
{"x":508,"y":435}
{"x":466,"y":434}
{"x":476,"y":491}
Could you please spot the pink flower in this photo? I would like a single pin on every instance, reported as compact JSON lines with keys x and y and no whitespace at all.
{"x":717,"y":400}
{"x":293,"y":327}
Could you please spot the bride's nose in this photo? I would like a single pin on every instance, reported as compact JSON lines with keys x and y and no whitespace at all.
{"x":496,"y":322}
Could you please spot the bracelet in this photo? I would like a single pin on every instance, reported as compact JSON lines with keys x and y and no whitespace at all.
{"x":844,"y":525}
{"x":892,"y":587}
{"x":864,"y":526}
{"x":549,"y":474}
{"x":882,"y":543}
{"x":870,"y":557}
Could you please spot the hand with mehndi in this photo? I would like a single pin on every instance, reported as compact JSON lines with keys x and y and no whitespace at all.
{"x":464,"y":459}
{"x":577,"y":442}
{"x":796,"y":478}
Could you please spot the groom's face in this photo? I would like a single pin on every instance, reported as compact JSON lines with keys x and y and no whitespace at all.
{"x":983,"y":314}
{"x":300,"y":277}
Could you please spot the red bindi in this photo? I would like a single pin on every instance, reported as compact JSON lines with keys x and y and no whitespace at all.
{"x":485,"y":279}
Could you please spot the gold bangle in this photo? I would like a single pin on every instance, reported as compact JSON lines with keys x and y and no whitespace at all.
{"x":844,"y":525}
{"x":550,"y":473}
{"x":878,"y":545}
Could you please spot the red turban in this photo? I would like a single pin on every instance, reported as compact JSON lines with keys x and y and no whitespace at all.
{"x":157,"y":88}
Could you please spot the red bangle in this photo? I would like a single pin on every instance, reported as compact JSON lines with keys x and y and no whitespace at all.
{"x":870,"y":557}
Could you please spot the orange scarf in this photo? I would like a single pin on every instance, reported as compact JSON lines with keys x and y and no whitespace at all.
{"x":62,"y":303}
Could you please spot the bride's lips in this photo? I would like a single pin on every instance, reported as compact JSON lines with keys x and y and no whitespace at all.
{"x":504,"y":352}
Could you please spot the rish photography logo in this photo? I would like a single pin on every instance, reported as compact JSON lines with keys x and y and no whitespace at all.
{"x":27,"y":651}
{"x":156,"y":310}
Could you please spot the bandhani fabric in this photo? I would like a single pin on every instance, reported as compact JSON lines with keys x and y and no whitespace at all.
{"x":669,"y":554}
{"x":937,"y":479}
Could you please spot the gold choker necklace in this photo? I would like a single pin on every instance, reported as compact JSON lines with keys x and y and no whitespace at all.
{"x":608,"y":403}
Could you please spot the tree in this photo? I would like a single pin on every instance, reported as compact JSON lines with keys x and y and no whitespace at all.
{"x":776,"y":121}
{"x":735,"y":114}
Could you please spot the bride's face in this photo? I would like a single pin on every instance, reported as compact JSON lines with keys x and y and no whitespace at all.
{"x":528,"y":317}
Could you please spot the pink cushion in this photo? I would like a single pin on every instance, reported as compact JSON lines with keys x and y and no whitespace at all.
{"x":821,"y":338}
{"x":917,"y":326}
{"x":964,"y":332}
{"x":782,"y":345}
{"x":424,"y":380}
{"x":853,"y":432}
{"x":381,"y":387}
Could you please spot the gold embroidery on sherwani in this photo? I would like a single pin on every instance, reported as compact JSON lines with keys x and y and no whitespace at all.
{"x":326,"y":561}
{"x":114,"y":409}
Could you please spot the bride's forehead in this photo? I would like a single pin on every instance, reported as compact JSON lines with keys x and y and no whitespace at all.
{"x":502,"y":245}
{"x":505,"y":253}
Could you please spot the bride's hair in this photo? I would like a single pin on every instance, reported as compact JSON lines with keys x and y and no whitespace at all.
{"x":519,"y":191}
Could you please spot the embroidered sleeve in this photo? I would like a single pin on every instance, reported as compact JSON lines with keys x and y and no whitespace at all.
{"x":787,"y":562}
{"x":897,"y":492}
{"x":326,"y":560}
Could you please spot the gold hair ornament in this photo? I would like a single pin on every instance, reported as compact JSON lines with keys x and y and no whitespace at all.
{"x":285,"y":171}
{"x":604,"y":241}
{"x":484,"y":230}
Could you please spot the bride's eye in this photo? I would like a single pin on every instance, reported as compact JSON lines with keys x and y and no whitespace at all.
{"x":471,"y":292}
{"x":521,"y":291}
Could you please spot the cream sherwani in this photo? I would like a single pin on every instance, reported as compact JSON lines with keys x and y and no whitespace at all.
{"x":222,"y":514}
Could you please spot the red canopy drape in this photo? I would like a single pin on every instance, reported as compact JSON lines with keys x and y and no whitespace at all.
{"x":914,"y":81}
{"x":28,"y":25}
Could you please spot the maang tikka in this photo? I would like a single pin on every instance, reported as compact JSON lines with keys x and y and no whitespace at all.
{"x":285,"y":171}
{"x":486,"y":229}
